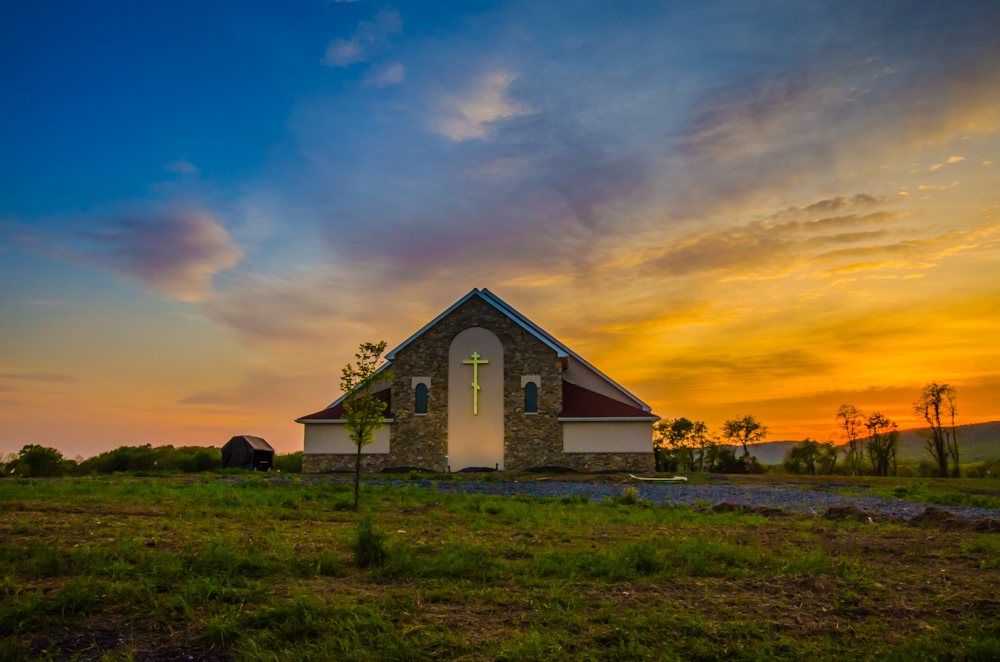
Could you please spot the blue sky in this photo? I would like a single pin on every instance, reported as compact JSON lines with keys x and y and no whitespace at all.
{"x":686,"y":191}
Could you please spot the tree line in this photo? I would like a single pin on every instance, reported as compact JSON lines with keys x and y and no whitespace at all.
{"x":36,"y":461}
{"x":681,"y":444}
{"x":871,"y":442}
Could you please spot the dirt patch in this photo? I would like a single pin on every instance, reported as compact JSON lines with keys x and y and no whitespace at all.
{"x":938,"y":518}
{"x":89,"y":643}
{"x":183,"y":653}
{"x":852,"y":513}
{"x":100,"y":637}
{"x":848,"y":512}
{"x":766,"y":511}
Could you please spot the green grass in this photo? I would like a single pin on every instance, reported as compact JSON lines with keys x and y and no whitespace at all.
{"x":922,"y":493}
{"x":273,"y":571}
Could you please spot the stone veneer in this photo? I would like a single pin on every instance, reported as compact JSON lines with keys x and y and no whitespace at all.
{"x":530,"y":440}
{"x":633,"y":462}
{"x":314,"y":463}
{"x":585,"y":462}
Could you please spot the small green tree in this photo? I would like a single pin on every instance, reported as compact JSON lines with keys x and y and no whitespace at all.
{"x":744,"y":430}
{"x":362,"y":410}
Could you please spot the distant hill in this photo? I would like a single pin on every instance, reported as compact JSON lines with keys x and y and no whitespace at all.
{"x":769,"y":452}
{"x":976,"y":442}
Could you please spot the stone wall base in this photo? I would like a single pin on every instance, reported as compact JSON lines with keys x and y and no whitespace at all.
{"x":314,"y":463}
{"x":631,"y":462}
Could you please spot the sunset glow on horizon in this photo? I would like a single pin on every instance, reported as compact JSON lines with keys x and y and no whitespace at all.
{"x":728,"y":208}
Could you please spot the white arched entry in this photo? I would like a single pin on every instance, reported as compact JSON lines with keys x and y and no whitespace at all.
{"x":475,"y":430}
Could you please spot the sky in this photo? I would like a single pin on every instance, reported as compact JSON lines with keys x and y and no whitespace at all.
{"x":729,"y":207}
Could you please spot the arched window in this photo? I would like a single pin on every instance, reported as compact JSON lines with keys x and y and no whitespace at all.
{"x":531,"y":398}
{"x":421,"y":399}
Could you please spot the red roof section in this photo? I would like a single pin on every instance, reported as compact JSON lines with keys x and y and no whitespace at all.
{"x":579,"y":402}
{"x":336,"y":412}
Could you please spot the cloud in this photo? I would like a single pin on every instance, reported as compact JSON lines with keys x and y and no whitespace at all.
{"x":182,"y":167}
{"x":760,"y":245}
{"x":385,"y":75}
{"x":176,"y":254}
{"x":369,"y":38}
{"x":469,"y":115}
{"x":49,"y":377}
{"x":955,"y":159}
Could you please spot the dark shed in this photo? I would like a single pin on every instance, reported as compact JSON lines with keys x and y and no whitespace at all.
{"x":246,"y":452}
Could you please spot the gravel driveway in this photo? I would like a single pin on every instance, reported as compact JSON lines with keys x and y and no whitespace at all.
{"x":787,"y":498}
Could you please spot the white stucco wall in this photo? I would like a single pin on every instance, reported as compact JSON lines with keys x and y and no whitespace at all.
{"x":610,"y":437}
{"x":475,"y":440}
{"x":326,"y":438}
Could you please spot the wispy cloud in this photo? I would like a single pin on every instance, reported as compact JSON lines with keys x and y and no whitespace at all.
{"x":369,"y":38}
{"x":176,"y":254}
{"x":469,"y":115}
{"x":181,"y":167}
{"x":48,"y":377}
{"x":385,"y":75}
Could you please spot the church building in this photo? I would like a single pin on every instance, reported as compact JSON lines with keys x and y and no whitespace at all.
{"x":483,"y":387}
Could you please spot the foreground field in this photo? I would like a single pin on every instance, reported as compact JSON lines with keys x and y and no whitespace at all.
{"x":155,"y":569}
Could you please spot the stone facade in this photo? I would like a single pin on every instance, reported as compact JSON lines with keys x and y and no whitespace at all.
{"x":586,"y":462}
{"x":530,"y":440}
{"x":633,"y":462}
{"x":315,"y":463}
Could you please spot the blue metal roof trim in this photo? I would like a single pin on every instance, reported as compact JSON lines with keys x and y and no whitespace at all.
{"x":529,"y":326}
{"x":538,"y":330}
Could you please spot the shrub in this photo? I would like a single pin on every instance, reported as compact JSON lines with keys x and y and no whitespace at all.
{"x":34,"y":461}
{"x":185,"y":459}
{"x":289,"y":463}
{"x":629,"y":497}
{"x":985,"y":469}
{"x":369,"y":545}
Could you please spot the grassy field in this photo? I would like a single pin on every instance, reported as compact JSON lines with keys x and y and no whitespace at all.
{"x":202,"y":568}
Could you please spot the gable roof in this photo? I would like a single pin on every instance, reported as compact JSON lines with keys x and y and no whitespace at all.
{"x":502,"y":307}
{"x":562,"y":351}
{"x":255,"y":442}
{"x":335,"y":412}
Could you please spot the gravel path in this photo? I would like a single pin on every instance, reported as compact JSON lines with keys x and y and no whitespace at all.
{"x":787,"y":498}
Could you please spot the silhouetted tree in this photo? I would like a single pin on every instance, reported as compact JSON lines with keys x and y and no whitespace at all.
{"x":851,"y":421}
{"x":882,"y":443}
{"x":682,"y":441}
{"x":811,"y":457}
{"x":744,"y":430}
{"x":362,"y":410}
{"x":937,"y":400}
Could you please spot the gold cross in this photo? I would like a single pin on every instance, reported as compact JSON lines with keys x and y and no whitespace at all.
{"x":475,"y":363}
